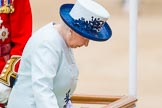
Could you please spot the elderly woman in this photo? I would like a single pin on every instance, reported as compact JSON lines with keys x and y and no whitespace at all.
{"x":48,"y":73}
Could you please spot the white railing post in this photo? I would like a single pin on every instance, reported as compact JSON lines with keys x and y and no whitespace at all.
{"x":133,"y":14}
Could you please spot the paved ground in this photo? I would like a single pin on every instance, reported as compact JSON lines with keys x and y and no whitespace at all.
{"x":104,"y":66}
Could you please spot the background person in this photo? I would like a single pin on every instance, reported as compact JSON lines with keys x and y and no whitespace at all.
{"x":15,"y":30}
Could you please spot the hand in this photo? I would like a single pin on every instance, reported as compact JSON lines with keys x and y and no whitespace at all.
{"x":4,"y":93}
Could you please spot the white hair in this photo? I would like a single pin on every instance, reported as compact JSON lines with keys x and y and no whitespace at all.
{"x":65,"y":26}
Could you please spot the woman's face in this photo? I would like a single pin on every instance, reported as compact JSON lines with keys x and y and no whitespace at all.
{"x":76,"y":40}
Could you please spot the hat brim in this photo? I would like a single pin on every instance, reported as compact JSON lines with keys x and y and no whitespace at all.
{"x":104,"y":34}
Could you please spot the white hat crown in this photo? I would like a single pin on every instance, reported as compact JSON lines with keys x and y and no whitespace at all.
{"x":90,"y":12}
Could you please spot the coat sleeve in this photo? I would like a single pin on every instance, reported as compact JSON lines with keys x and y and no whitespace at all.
{"x":21,"y":27}
{"x":20,"y":30}
{"x":45,"y":63}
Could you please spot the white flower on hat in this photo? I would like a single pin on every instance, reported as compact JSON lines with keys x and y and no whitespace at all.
{"x":4,"y":33}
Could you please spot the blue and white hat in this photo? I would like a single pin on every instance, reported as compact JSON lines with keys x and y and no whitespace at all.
{"x":87,"y":18}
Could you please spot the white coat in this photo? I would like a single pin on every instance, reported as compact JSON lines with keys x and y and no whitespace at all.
{"x":47,"y":74}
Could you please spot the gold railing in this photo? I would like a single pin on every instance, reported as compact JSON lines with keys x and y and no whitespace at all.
{"x":107,"y":101}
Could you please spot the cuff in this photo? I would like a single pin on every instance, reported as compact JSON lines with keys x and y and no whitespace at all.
{"x":8,"y":74}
